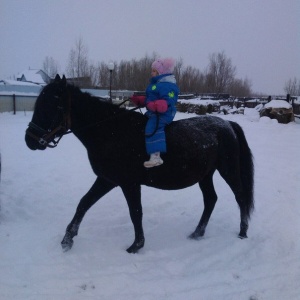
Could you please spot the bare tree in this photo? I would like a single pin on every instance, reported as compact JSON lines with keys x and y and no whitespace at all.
{"x":240,"y":88}
{"x":191,"y":80}
{"x":94,"y":75}
{"x":292,"y":87}
{"x":78,"y":60}
{"x":142,"y":71}
{"x":50,"y":66}
{"x":134,"y":74}
{"x":178,"y":69}
{"x":220,"y":73}
{"x":103,"y":75}
{"x":125,"y":77}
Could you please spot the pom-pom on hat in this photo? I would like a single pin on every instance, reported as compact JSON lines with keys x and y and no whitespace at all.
{"x":164,"y":65}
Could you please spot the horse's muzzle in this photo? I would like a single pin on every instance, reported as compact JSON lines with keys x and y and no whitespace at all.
{"x":32,"y":143}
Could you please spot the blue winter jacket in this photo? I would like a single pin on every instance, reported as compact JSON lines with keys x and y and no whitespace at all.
{"x":163,"y":87}
{"x":160,"y":87}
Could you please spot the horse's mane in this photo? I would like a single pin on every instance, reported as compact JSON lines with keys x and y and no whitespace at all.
{"x":90,"y":100}
{"x":99,"y":108}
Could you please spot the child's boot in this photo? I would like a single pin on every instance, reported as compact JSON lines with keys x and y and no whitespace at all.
{"x":154,"y":160}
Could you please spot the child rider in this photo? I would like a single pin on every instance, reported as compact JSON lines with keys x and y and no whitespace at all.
{"x":160,"y":101}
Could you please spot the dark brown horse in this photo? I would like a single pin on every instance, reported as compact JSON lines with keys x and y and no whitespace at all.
{"x":115,"y":142}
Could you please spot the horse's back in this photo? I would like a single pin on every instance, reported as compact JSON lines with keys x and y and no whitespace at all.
{"x":194,"y":147}
{"x":202,"y":130}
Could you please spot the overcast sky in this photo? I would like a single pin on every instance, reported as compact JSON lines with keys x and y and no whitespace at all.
{"x":261,"y":37}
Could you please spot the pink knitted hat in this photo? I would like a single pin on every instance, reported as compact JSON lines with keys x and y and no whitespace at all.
{"x":164,"y":65}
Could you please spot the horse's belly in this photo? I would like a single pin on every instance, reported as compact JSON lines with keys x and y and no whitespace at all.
{"x":168,"y":179}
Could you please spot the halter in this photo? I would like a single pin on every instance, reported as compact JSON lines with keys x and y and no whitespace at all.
{"x":49,"y":138}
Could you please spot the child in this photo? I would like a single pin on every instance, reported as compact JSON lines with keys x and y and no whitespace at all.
{"x":160,"y":101}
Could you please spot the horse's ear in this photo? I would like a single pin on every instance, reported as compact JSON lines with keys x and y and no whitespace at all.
{"x":57,"y":78}
{"x":64,"y":80}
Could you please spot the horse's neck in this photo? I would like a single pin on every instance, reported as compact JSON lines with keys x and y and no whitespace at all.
{"x":90,"y":115}
{"x":87,"y":109}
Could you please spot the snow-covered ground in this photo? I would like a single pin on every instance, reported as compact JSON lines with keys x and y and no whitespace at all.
{"x":40,"y":190}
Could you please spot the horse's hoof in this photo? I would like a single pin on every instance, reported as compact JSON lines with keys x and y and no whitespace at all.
{"x":67,"y":244}
{"x":243,"y":236}
{"x":196,"y":235}
{"x":136,"y":246}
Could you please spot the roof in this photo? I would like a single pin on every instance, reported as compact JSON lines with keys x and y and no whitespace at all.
{"x":9,"y":82}
{"x":10,"y":87}
{"x":34,"y":76}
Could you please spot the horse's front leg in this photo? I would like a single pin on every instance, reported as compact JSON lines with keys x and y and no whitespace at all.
{"x":132,"y":194}
{"x":99,"y":189}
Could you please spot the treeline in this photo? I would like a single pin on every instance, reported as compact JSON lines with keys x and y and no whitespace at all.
{"x":218,"y":77}
{"x":292,"y":87}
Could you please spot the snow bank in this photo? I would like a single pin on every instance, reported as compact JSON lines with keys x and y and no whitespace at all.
{"x":278,"y":104}
{"x":252,"y":114}
{"x":199,"y":101}
{"x":40,"y":190}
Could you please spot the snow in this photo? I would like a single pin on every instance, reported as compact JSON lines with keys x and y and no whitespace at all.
{"x":278,"y":104}
{"x":199,"y":101}
{"x":257,"y":100}
{"x":253,"y":114}
{"x":32,"y":76}
{"x":19,"y":88}
{"x":15,"y":82}
{"x":40,"y":190}
{"x":25,"y":94}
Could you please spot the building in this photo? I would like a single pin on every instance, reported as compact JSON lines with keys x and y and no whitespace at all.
{"x":34,"y":76}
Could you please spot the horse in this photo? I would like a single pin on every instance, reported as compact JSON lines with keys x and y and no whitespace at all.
{"x":115,"y":141}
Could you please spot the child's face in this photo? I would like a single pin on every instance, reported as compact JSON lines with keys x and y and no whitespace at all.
{"x":154,"y":73}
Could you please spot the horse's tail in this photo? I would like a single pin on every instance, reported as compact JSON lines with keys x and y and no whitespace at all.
{"x":246,"y":168}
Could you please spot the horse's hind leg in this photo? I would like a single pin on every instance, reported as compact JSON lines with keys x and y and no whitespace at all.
{"x":99,"y":189}
{"x":234,"y":182}
{"x":209,"y":199}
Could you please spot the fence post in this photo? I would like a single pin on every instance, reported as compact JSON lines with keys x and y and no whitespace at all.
{"x":14,"y":103}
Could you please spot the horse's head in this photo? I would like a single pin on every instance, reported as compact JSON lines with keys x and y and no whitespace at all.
{"x":51,"y":116}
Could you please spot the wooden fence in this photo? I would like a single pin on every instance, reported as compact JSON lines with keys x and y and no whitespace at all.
{"x":13,"y":103}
